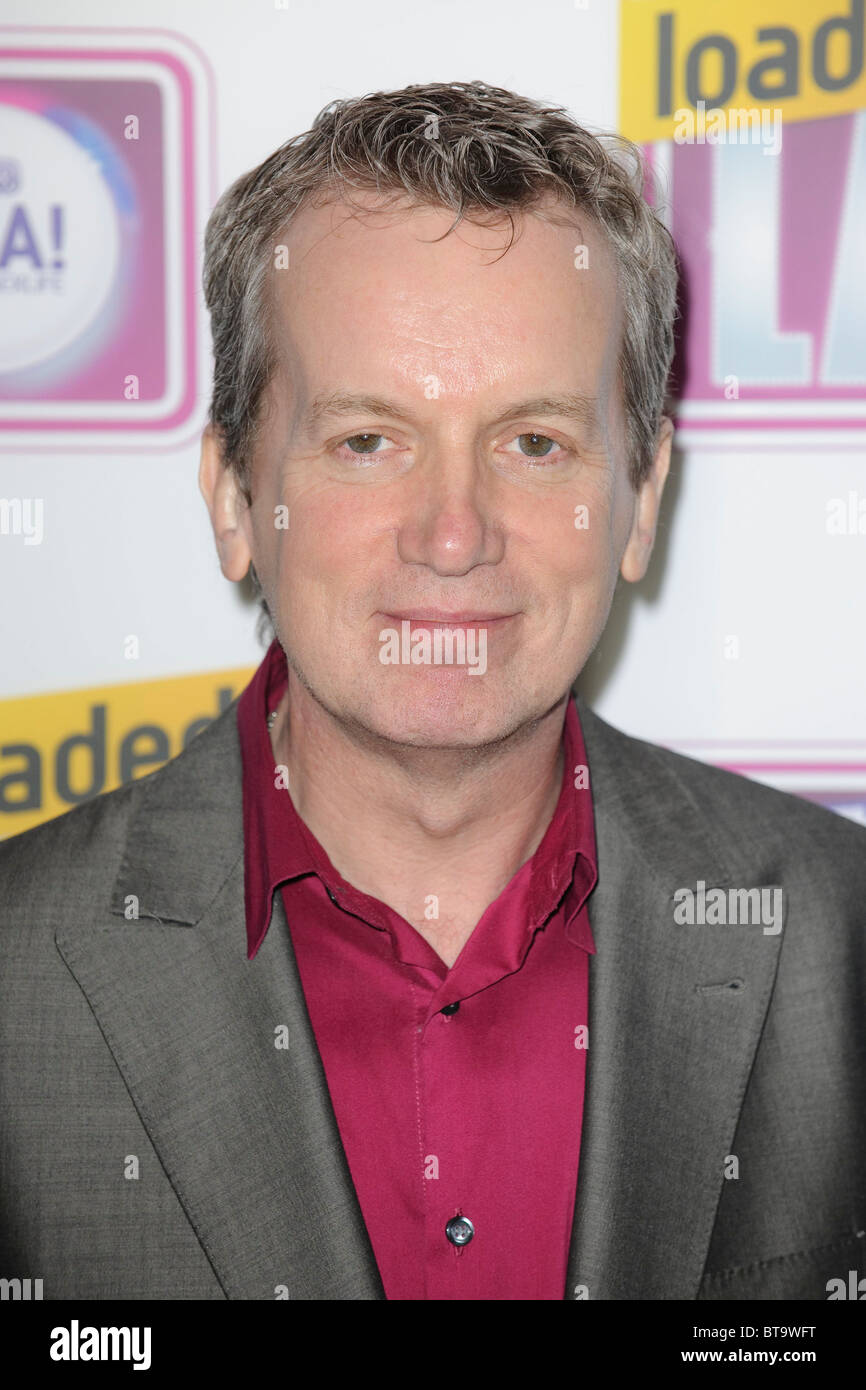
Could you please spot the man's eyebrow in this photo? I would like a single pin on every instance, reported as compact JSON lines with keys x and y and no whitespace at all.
{"x":342,"y":403}
{"x":574,"y":406}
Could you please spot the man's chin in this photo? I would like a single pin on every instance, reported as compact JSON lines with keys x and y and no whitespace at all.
{"x":463,"y":713}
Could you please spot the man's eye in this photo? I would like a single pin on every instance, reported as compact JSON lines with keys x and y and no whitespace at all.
{"x":364,"y":443}
{"x":536,"y":446}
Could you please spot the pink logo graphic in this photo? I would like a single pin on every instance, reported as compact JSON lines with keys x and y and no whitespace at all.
{"x":775,"y":280}
{"x":829,"y":772}
{"x":105,"y":182}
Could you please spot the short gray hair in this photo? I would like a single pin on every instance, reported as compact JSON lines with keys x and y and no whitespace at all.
{"x":477,"y":150}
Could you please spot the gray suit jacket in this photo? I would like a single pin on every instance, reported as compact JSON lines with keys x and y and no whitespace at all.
{"x":147,"y":1047}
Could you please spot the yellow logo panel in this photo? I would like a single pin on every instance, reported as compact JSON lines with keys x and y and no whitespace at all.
{"x":802,"y":57}
{"x":60,"y":749}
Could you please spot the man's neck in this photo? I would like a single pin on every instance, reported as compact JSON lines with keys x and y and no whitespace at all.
{"x":415,"y":826}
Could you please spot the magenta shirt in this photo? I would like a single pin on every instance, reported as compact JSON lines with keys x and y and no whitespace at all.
{"x":460,"y":1126}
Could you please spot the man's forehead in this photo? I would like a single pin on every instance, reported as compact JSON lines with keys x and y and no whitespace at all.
{"x":369,"y":305}
{"x":407,"y":275}
{"x":368,"y":225}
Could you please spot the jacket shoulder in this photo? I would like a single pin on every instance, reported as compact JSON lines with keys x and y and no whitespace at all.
{"x":735,"y":808}
{"x":54,"y":868}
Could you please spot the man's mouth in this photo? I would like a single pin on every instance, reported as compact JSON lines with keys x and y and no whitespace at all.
{"x":431,"y":618}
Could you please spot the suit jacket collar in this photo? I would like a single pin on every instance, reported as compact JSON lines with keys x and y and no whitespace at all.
{"x":246,"y":1131}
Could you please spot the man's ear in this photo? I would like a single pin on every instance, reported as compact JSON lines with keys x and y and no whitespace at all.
{"x":229,"y":512}
{"x":643,"y":531}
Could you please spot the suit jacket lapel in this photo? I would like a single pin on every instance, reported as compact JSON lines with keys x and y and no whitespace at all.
{"x":244,"y":1129}
{"x":675,"y":1016}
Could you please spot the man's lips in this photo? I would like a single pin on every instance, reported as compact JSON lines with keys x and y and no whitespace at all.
{"x":437,"y":617}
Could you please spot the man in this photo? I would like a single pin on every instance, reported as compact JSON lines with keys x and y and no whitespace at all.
{"x":412,"y":978}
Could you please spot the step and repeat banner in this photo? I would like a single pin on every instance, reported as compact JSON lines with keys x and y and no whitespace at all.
{"x":120,"y":124}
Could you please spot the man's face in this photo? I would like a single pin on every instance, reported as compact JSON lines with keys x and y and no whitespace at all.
{"x":444,"y":438}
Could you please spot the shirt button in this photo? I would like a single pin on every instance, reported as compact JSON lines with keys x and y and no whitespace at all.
{"x":460,"y":1230}
{"x":450,"y":1008}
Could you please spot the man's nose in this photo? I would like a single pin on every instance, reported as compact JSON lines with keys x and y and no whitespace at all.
{"x":450,"y":521}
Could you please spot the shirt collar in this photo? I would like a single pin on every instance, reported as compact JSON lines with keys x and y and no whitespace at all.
{"x":279,"y":847}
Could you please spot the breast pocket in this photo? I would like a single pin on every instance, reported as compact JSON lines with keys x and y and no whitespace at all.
{"x":836,"y":1271}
